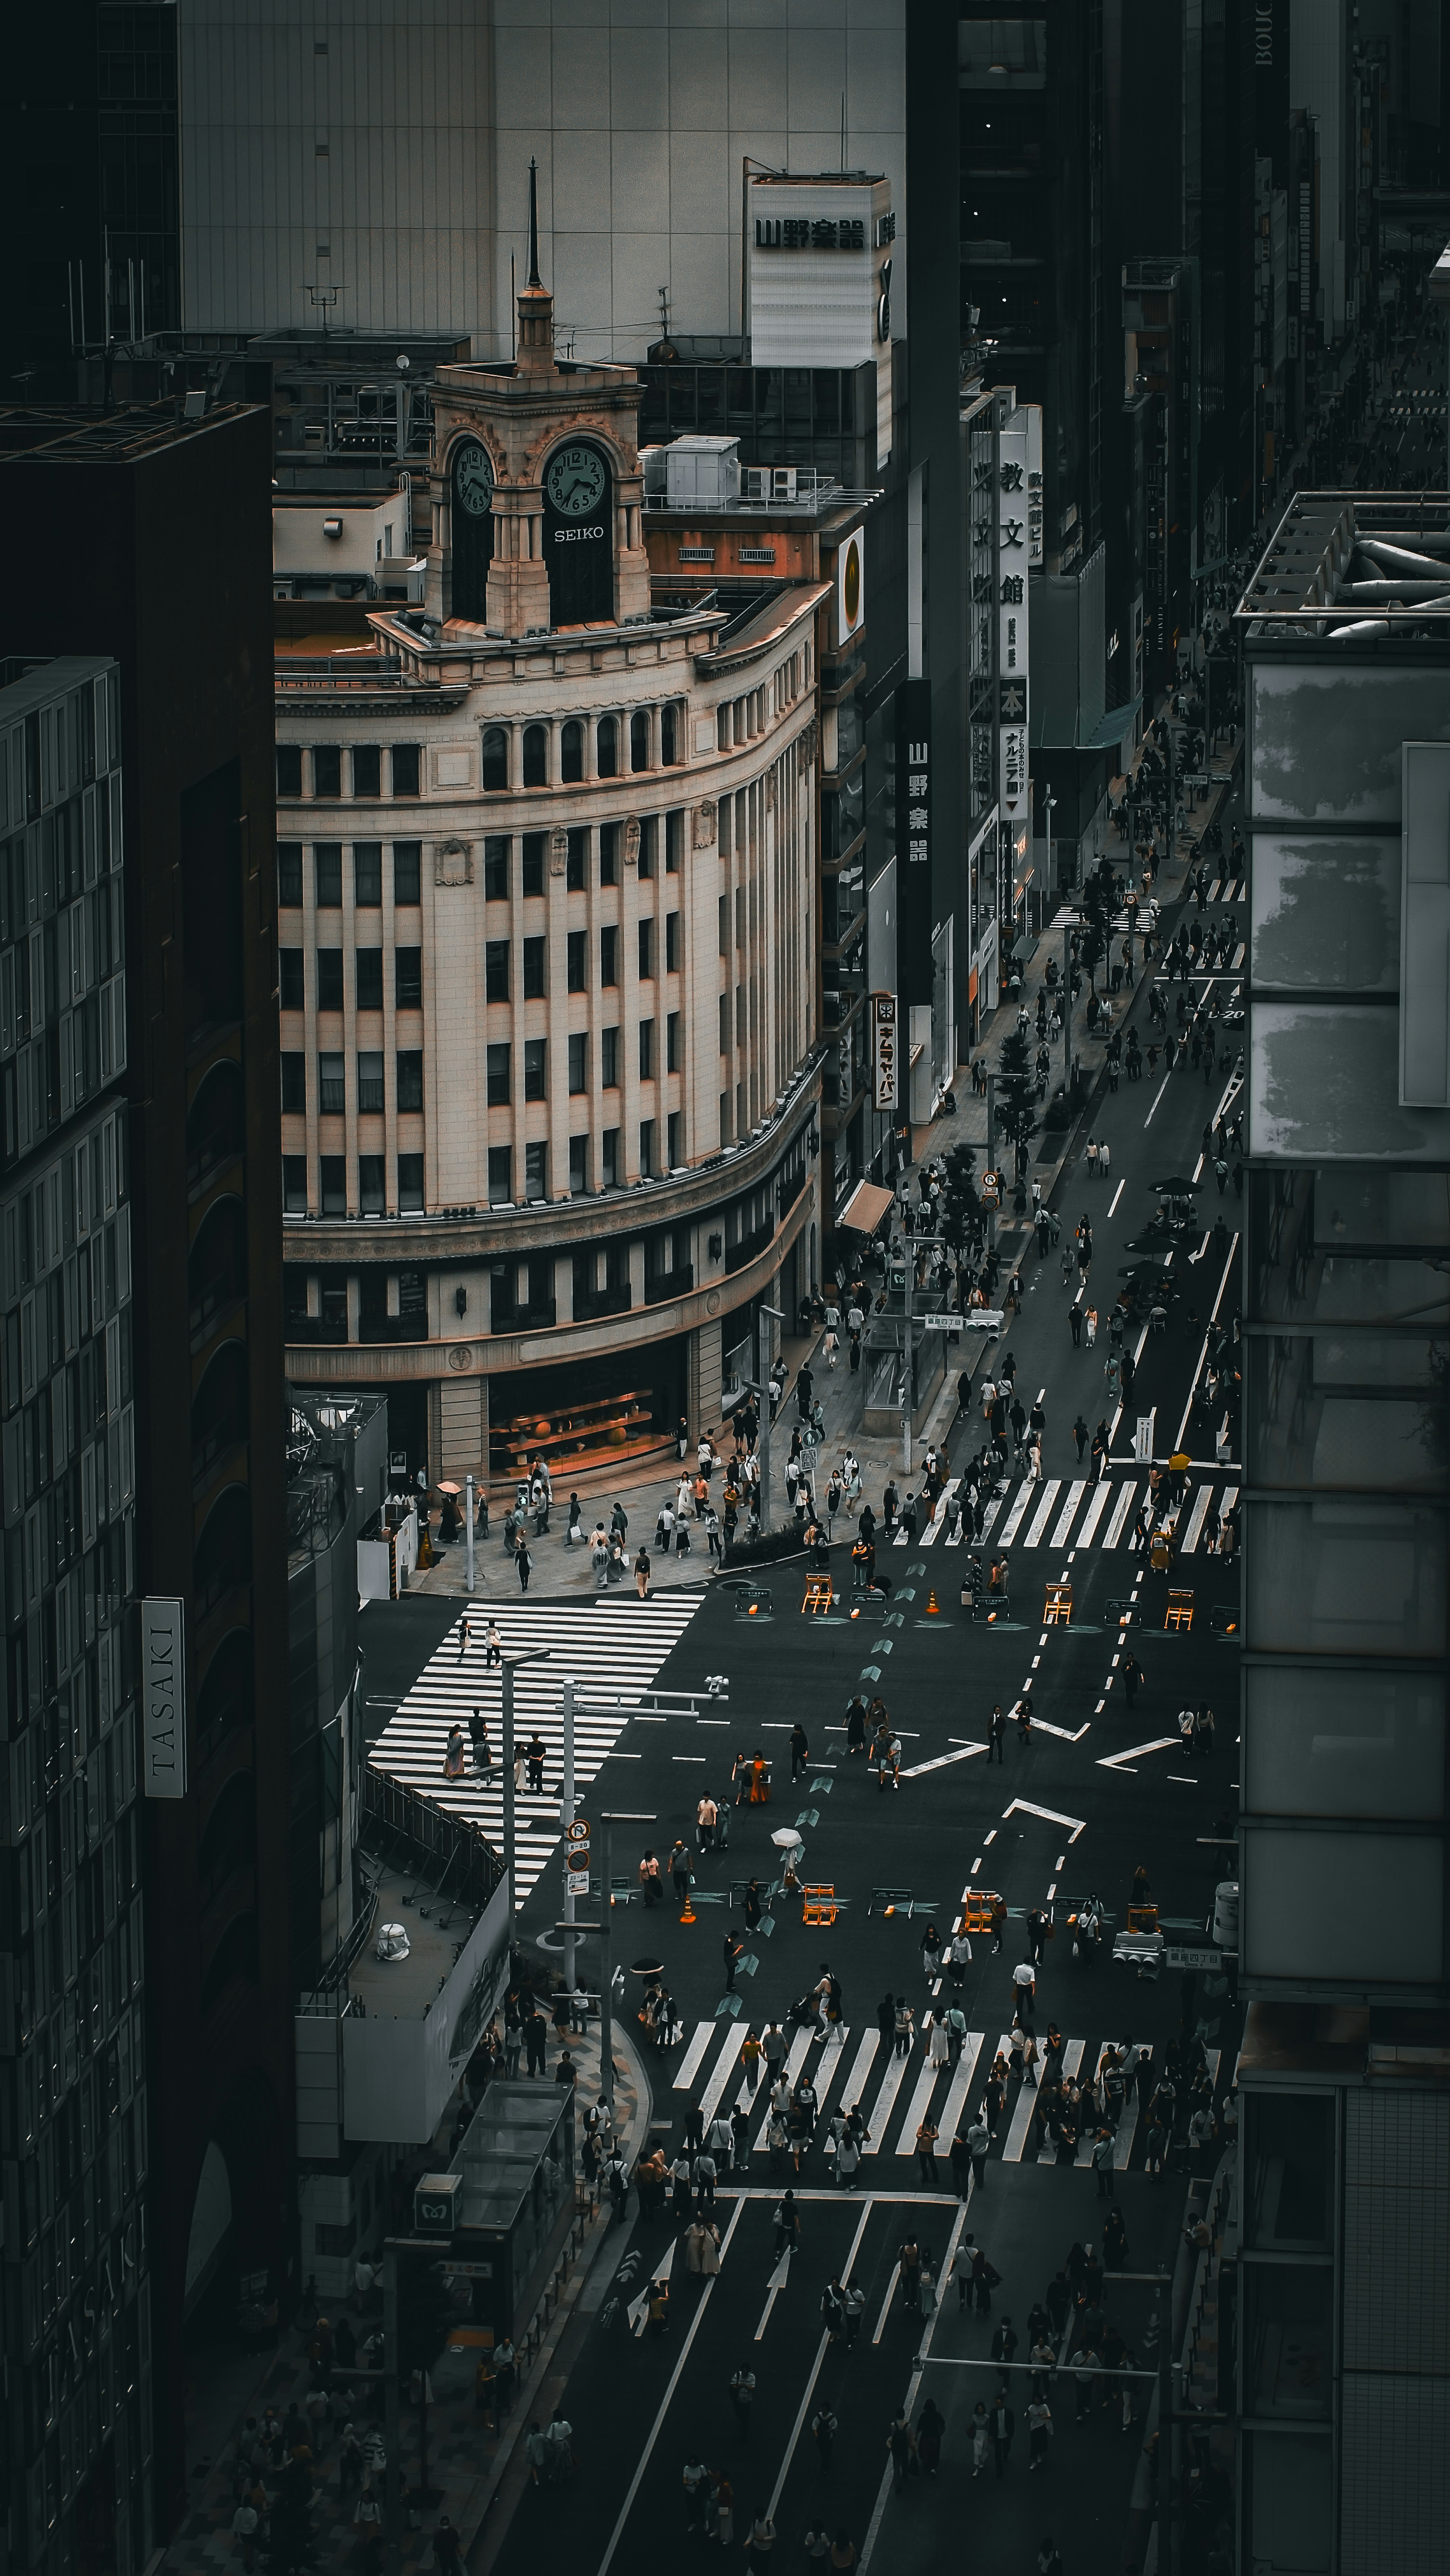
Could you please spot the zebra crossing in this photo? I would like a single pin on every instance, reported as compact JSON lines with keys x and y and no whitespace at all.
{"x":1061,"y":1511}
{"x":611,"y":1650}
{"x":908,"y":2089}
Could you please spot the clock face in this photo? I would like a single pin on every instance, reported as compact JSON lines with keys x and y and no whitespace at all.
{"x":575,"y":481}
{"x":473,"y":478}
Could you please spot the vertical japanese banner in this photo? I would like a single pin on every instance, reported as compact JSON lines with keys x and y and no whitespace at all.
{"x":1014,"y":553}
{"x":913,"y":840}
{"x":884,"y":1089}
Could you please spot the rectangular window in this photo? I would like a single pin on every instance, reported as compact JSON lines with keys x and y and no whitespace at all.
{"x":579,"y":1062}
{"x":327,"y":770}
{"x":370,"y":1186}
{"x":535,"y":1063}
{"x":289,"y":875}
{"x":408,"y":979}
{"x":496,"y":868}
{"x":675,"y":1152}
{"x":576,"y":960}
{"x":409,"y":1064}
{"x":575,"y":860}
{"x":672,"y":943}
{"x":578,"y":1166}
{"x":370,"y":1082}
{"x":534,"y":952}
{"x":407,"y":872}
{"x":608,"y":957}
{"x":405,"y":763}
{"x":294,"y":1081}
{"x":609,"y":854}
{"x":329,"y":979}
{"x":495,"y":970}
{"x":333,"y":1169}
{"x":740,"y":916}
{"x":498,"y":1076}
{"x":674,"y":840}
{"x":500,"y":1175}
{"x":294,"y":1184}
{"x":724,"y":925}
{"x":332,"y":1303}
{"x":289,"y":769}
{"x":327,"y":867}
{"x":367,"y":874}
{"x":535,"y":844}
{"x":370,"y":979}
{"x":289,"y":978}
{"x":646,"y":1050}
{"x":647,"y":846}
{"x":536,"y":1171}
{"x":412,"y":1293}
{"x":646,"y":951}
{"x":367,"y":769}
{"x":410,"y":1184}
{"x":672,"y":1043}
{"x":724,"y":1024}
{"x":740,"y":1015}
{"x":609,"y":1059}
{"x":646,"y":1148}
{"x":331,"y":1087}
{"x":609,"y":1158}
{"x":724,"y":1117}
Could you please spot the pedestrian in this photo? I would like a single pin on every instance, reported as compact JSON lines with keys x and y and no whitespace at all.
{"x":1003,"y":2425}
{"x":901,"y":2443}
{"x":926,"y":2138}
{"x":696,"y":2481}
{"x":1039,"y":2432}
{"x":824,"y":2428}
{"x":931,"y":2424}
{"x":800,"y":1751}
{"x":996,"y":1740}
{"x":742,"y":2396}
{"x":979,"y":2138}
{"x":1004,"y":2342}
{"x":523,"y":1562}
{"x":787,"y":2224}
{"x":1103,"y":2163}
{"x":981,"y":2437}
{"x":642,"y":1571}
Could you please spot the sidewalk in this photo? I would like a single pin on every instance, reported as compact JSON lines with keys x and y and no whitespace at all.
{"x":468,"y":2467}
{"x":564,"y":1573}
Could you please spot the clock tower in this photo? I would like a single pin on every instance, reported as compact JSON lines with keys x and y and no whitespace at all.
{"x":537,"y":487}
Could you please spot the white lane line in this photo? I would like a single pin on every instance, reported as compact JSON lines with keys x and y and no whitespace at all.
{"x":1121,"y":1511}
{"x":861,"y":2065}
{"x":693,"y":2058}
{"x":821,"y":2350}
{"x":916,"y":2109}
{"x":1043,"y":1513}
{"x":1053,"y":1815}
{"x":799,"y":2051}
{"x":886,"y":2302}
{"x":1101,"y":1494}
{"x":889,"y":2087}
{"x":1075,"y":1493}
{"x":1117,"y":1194}
{"x":1071,"y":2061}
{"x":637,"y":2481}
{"x":725,"y":2066}
{"x":1016,"y":1515}
{"x":961,"y":2083}
{"x":1021,"y":2122}
{"x":1196,"y":1518}
{"x":941,"y":1760}
{"x":1167,"y":1078}
{"x":1134,"y":1753}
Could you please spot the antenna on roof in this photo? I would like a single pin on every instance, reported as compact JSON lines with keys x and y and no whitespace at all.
{"x":534,"y":277}
{"x":843,"y":134}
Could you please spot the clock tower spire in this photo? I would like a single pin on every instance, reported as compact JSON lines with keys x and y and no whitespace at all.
{"x":536,"y":304}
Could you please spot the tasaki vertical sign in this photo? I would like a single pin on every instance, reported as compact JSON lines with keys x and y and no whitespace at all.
{"x":913,"y":841}
{"x":163,"y":1698}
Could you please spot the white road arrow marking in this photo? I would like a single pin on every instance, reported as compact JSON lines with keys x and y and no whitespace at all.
{"x":1025,"y":1807}
{"x":940,"y":1760}
{"x":1133,"y":1752}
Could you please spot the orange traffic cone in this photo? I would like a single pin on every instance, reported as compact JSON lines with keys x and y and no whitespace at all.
{"x":932,"y":1610}
{"x":689,"y":1915}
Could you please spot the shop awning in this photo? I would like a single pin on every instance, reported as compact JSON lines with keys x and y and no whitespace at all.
{"x":865,"y":1208}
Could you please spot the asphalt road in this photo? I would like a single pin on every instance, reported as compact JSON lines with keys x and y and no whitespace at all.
{"x":1098,"y":1789}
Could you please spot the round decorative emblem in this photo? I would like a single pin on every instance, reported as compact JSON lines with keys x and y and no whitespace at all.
{"x":851,"y":586}
{"x":712,"y":1302}
{"x":461,"y":1356}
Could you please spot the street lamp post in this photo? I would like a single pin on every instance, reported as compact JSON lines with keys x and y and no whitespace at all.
{"x":770,"y":1317}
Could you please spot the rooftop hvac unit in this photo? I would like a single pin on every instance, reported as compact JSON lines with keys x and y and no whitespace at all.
{"x":702,"y":473}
